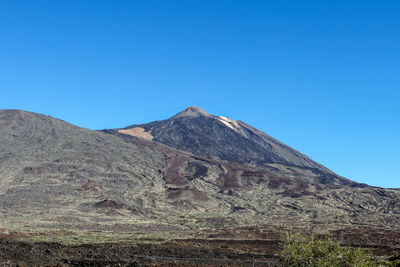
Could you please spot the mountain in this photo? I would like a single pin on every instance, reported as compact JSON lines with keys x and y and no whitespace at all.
{"x":197,"y":131}
{"x":201,"y":133}
{"x":56,"y":175}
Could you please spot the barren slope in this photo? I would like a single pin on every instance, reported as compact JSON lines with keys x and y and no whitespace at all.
{"x":54,"y":174}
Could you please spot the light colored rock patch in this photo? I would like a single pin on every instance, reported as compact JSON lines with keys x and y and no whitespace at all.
{"x":138,"y":132}
{"x":234,"y":125}
{"x":230,"y":123}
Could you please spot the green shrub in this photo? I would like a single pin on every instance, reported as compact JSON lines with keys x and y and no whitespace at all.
{"x":394,"y":261}
{"x":321,"y":252}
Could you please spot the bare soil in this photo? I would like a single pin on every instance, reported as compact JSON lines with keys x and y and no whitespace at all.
{"x":181,"y":252}
{"x":214,"y":248}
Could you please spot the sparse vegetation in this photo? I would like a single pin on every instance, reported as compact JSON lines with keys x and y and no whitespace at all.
{"x":79,"y":238}
{"x":311,"y":251}
{"x":394,"y":260}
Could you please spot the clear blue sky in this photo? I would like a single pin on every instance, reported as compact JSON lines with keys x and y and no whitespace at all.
{"x":321,"y":76}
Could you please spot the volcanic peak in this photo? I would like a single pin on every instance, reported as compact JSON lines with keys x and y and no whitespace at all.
{"x":192,"y":111}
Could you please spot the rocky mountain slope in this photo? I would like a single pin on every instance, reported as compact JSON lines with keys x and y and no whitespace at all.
{"x":196,"y":131}
{"x":57,"y":175}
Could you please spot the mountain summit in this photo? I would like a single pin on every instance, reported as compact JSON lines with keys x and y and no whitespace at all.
{"x":192,"y":112}
{"x":201,"y":133}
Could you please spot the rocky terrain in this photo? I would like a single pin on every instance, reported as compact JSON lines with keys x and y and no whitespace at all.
{"x":201,"y":133}
{"x":194,"y":174}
